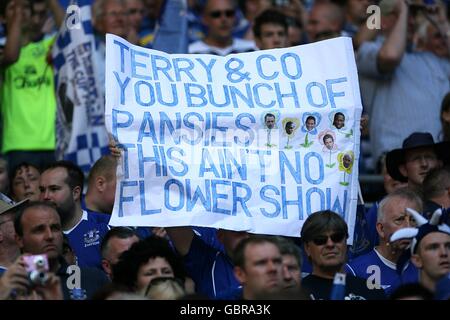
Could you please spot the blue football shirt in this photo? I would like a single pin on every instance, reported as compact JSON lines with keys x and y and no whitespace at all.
{"x":85,"y":239}
{"x":211,"y":269}
{"x":142,"y":232}
{"x":363,"y":267}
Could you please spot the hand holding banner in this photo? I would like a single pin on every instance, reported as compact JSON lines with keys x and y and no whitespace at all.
{"x":239,"y":142}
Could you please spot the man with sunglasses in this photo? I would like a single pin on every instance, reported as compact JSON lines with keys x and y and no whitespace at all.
{"x":219,"y":18}
{"x":379,"y":266}
{"x":324,"y":235}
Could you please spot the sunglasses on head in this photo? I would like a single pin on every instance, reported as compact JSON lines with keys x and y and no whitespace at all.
{"x":218,"y":13}
{"x":335,"y":237}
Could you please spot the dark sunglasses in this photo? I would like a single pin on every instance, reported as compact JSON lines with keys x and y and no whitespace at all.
{"x":335,"y":237}
{"x":218,"y":13}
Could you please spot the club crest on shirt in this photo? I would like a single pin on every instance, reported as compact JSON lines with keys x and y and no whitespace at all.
{"x":353,"y":296}
{"x":91,"y":238}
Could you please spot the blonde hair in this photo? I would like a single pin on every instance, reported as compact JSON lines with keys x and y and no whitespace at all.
{"x":167,"y":289}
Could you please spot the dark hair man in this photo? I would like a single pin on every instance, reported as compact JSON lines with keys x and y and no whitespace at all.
{"x":324,"y":236}
{"x":258,"y":267}
{"x":39,"y":231}
{"x":61,"y":184}
{"x":116,"y":241}
{"x":271,"y":30}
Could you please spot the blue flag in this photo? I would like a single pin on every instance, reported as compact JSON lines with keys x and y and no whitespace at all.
{"x":172,"y":30}
{"x":80,"y":125}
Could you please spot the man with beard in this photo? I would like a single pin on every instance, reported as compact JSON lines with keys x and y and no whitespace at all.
{"x":62,"y":184}
{"x":379,"y":265}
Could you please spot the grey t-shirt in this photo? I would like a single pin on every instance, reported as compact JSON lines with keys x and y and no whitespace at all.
{"x":402,"y":102}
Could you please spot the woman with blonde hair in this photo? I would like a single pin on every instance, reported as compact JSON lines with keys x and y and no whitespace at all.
{"x":165,"y":288}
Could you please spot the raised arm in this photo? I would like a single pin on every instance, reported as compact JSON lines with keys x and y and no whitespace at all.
{"x":57,"y":11}
{"x":364,"y":34}
{"x":14,"y":17}
{"x":181,"y":238}
{"x":394,"y":46}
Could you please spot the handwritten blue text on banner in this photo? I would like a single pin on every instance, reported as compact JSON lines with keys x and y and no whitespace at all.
{"x":255,"y":141}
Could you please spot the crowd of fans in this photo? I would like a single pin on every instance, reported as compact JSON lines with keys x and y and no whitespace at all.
{"x":401,"y":244}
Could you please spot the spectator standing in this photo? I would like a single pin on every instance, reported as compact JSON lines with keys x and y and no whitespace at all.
{"x":401,"y":89}
{"x":219,"y":18}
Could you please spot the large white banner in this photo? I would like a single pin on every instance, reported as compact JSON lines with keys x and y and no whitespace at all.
{"x":254,"y":141}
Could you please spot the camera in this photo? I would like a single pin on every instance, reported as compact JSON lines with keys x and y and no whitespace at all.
{"x":37,"y":269}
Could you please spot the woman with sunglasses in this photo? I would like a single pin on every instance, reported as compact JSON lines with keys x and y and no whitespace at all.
{"x":324,"y":235}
